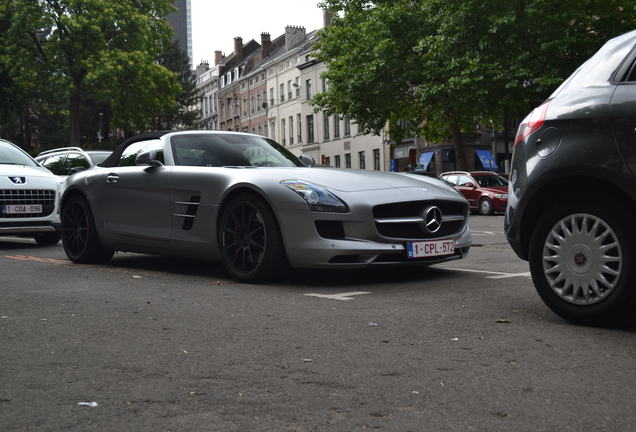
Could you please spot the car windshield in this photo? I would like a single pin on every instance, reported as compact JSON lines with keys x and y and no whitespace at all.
{"x":11,"y":155}
{"x":491,"y":181}
{"x":218,"y":150}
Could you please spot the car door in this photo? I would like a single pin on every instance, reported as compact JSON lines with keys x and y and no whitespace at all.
{"x":469,"y":192}
{"x":134,"y":200}
{"x":623,"y":118}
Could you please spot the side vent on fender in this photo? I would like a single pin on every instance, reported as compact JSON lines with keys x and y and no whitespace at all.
{"x":188,"y":211}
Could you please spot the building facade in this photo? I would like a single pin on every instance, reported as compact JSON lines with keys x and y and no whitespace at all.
{"x":181,"y":23}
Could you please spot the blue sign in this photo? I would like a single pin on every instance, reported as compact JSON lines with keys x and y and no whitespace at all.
{"x":486,"y":159}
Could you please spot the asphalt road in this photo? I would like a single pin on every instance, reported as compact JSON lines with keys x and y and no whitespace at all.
{"x":172,"y":345}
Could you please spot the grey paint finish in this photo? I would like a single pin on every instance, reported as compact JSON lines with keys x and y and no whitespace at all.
{"x":143,"y":209}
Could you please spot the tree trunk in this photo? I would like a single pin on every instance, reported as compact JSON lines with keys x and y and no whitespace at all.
{"x":458,"y":144}
{"x":75,"y":114}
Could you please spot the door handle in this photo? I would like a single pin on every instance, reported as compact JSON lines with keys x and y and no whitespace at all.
{"x":112,"y":178}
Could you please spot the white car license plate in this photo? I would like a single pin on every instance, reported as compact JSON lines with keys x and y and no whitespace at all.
{"x":430,"y":248}
{"x":22,"y":209}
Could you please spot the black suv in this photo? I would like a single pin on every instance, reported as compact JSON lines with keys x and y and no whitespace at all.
{"x":572,"y":195}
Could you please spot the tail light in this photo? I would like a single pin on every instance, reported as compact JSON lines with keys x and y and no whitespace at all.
{"x":531,"y":123}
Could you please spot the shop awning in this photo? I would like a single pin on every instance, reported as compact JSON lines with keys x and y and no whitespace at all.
{"x":425,"y":159}
{"x":486,"y":159}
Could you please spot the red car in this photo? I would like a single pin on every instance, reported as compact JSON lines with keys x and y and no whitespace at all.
{"x":485,"y":191}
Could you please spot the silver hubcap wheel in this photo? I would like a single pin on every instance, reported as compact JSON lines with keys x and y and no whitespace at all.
{"x":485,"y":206}
{"x":582,"y":259}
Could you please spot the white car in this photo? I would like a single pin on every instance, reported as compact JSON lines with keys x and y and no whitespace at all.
{"x":29,"y":197}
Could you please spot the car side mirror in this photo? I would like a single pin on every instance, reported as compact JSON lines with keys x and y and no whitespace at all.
{"x":148,"y":158}
{"x":307,"y":160}
{"x":76,"y":169}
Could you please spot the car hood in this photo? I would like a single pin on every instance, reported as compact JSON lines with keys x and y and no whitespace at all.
{"x":350,"y":180}
{"x":495,"y":190}
{"x":24,"y":171}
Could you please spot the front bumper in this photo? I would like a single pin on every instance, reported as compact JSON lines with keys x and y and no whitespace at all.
{"x":22,"y":228}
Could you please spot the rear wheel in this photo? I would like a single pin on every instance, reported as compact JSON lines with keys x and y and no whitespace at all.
{"x":249,"y":239}
{"x":47,"y":238}
{"x":485,"y":206}
{"x":580,"y":256}
{"x":79,"y":236}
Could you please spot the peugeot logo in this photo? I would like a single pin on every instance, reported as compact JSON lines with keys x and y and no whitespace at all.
{"x":432,"y":219}
{"x":18,"y":180}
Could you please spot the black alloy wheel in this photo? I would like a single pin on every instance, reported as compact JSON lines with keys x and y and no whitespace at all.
{"x":249,"y":239}
{"x":47,"y":238}
{"x":79,"y":236}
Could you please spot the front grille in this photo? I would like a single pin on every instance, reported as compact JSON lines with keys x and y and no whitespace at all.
{"x":414,"y":209}
{"x":27,"y":196}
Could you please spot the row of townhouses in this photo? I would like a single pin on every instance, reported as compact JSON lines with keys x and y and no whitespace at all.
{"x":267,"y":89}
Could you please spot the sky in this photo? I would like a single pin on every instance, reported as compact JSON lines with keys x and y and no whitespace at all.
{"x":215,"y":23}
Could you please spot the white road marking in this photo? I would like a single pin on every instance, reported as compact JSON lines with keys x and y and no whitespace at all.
{"x":343,"y":296}
{"x":496,"y":275}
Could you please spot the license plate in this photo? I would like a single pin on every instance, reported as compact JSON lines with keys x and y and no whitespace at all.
{"x":430,"y":248}
{"x":22,"y":209}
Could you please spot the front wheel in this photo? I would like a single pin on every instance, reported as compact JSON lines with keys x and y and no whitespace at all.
{"x":249,"y":240}
{"x":485,"y":206}
{"x":47,"y":238}
{"x":79,"y":235}
{"x":580,"y":256}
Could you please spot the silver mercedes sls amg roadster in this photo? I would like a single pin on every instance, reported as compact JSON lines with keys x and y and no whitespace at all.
{"x":247,"y":201}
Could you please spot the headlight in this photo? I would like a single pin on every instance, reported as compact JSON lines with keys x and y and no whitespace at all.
{"x":501,"y":196}
{"x":317,"y":198}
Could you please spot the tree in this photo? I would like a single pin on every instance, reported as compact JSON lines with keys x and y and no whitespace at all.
{"x":439,"y":68}
{"x":182,"y":115}
{"x":106,"y":49}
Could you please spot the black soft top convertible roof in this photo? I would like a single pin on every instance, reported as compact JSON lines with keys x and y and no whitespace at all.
{"x":113,"y":159}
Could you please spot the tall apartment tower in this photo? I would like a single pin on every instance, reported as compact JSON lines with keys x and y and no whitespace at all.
{"x":181,"y":23}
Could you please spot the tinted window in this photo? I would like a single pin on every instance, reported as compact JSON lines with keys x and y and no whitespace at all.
{"x":464,"y":180}
{"x":55,"y":164}
{"x":11,"y":155}
{"x":156,"y":146}
{"x":452,"y":179}
{"x":491,"y":181}
{"x":99,"y":157}
{"x":230,"y":150}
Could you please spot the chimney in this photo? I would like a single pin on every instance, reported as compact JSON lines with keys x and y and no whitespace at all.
{"x":266,"y":45}
{"x":293,"y":36}
{"x":238,"y":47}
{"x":218,"y":56}
{"x":327,"y":17}
{"x":202,"y":68}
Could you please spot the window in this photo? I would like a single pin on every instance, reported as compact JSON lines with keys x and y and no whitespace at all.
{"x":297,"y":85}
{"x":324,"y":84}
{"x":289,"y":90}
{"x":361,"y":161}
{"x":271,"y":96}
{"x":308,"y":85}
{"x":222,"y":111}
{"x":376,"y":159}
{"x":347,"y":126}
{"x":244,"y":106}
{"x":252,"y":104}
{"x":310,"y":128}
{"x":282,"y":132}
{"x":464,"y":180}
{"x":130,"y":153}
{"x":291,"y":130}
{"x":325,"y":125}
{"x":299,"y":123}
{"x":282,"y":92}
{"x":337,"y":161}
{"x":273,"y":131}
{"x":264,"y":99}
{"x":258,"y":102}
{"x":347,"y":160}
{"x":265,"y":129}
{"x":55,"y":164}
{"x":260,"y":130}
{"x":336,"y":126}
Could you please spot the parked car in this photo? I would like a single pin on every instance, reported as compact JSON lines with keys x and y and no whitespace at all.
{"x":65,"y":161}
{"x":485,"y":191}
{"x":572,"y":197}
{"x":245,"y":200}
{"x":29,"y":196}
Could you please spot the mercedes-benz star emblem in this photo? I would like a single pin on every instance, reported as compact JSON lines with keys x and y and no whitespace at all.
{"x":432,"y":219}
{"x":18,"y":180}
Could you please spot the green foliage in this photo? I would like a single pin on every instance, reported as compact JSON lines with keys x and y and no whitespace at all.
{"x":105,"y":50}
{"x":440,"y":67}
